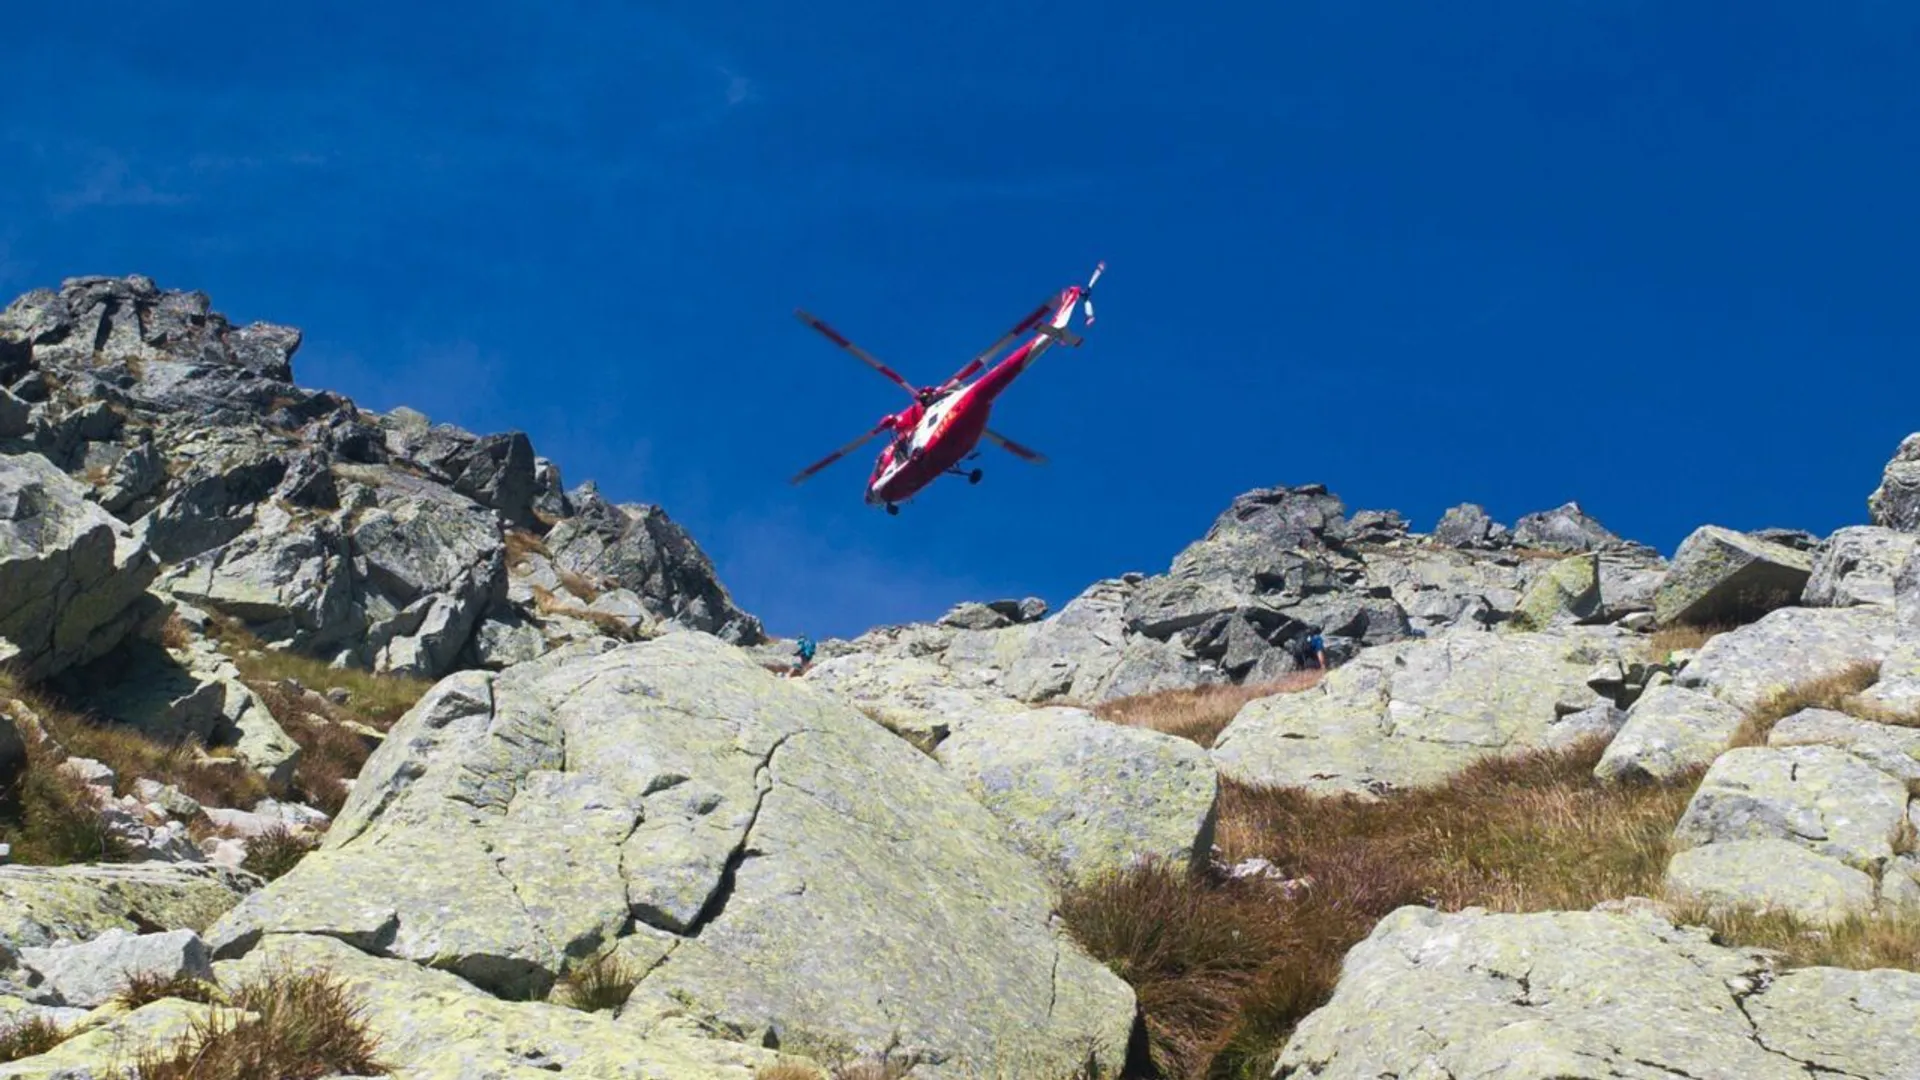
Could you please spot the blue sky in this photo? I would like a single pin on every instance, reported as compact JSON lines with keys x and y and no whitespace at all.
{"x":1655,"y":258}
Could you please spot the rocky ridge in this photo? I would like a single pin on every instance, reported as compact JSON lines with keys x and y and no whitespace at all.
{"x":598,"y":772}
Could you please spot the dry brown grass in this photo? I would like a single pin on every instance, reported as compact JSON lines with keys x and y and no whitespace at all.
{"x":376,"y":700}
{"x":175,"y":633}
{"x":143,"y":988}
{"x":1200,"y":713}
{"x":29,"y":1038}
{"x":50,"y":819}
{"x":274,"y":852}
{"x":788,"y":1070}
{"x":331,"y":751}
{"x":1825,"y":692}
{"x":1224,"y":969}
{"x":599,"y":983}
{"x":545,"y":602}
{"x":522,"y":544}
{"x":582,"y":589}
{"x":133,"y":755}
{"x":1859,"y":942}
{"x":304,"y":1026}
{"x":1679,"y":637}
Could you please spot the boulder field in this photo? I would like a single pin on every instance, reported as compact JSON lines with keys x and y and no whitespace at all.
{"x":289,"y":687}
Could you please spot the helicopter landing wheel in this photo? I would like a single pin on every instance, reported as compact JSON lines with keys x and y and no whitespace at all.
{"x":974,"y":477}
{"x":892,"y":509}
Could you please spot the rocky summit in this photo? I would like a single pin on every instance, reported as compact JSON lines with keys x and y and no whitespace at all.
{"x":340,"y":744}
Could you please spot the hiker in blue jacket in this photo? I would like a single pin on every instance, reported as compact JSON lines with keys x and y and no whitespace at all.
{"x":804,"y":650}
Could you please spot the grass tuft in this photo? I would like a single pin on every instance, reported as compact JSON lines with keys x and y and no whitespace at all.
{"x":279,"y":849}
{"x":29,"y":1038}
{"x":1825,"y":692}
{"x":51,"y":819}
{"x":1200,"y":713}
{"x":175,"y":633}
{"x":145,"y":988}
{"x":600,"y":983}
{"x":523,"y":545}
{"x":1224,"y":969}
{"x":305,"y":1026}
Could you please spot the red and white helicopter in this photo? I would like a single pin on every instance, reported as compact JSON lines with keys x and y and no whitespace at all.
{"x":946,"y":422}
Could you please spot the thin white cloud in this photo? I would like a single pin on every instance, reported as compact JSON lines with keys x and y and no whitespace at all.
{"x":109,"y":180}
{"x":740,"y":89}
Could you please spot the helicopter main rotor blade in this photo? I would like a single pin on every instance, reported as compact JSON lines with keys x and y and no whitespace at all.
{"x":835,"y":456}
{"x":837,"y":338}
{"x":980,"y":360}
{"x":1014,"y":448}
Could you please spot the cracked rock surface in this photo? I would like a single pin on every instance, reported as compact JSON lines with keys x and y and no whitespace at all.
{"x":779,"y":865}
{"x":1594,"y":996}
{"x":1414,"y":712}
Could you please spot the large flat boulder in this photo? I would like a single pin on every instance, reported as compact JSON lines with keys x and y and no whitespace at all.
{"x":1668,"y":731}
{"x":89,"y":974}
{"x":1821,"y":797}
{"x":1745,"y":666}
{"x":1719,"y":576}
{"x":1558,"y":995}
{"x":1768,"y":874}
{"x":42,"y":906}
{"x":1413,"y":713}
{"x":1085,"y":797}
{"x":1895,"y":504}
{"x":784,"y":867}
{"x":72,"y":575}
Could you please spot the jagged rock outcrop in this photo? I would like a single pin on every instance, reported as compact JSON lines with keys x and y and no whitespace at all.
{"x":640,"y":548}
{"x":1468,"y":526}
{"x":1895,"y":504}
{"x":731,"y":831}
{"x":1858,"y":565}
{"x":1566,"y":528}
{"x":364,"y":539}
{"x":1722,"y":576}
{"x":1593,"y":994}
{"x":72,"y":578}
{"x":1278,"y":565}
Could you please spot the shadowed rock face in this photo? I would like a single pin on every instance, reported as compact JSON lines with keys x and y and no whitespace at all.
{"x":372,"y":540}
{"x":1722,"y":576}
{"x":778,"y":862}
{"x":70,"y":574}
